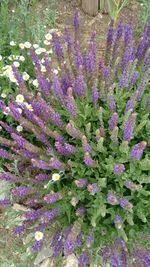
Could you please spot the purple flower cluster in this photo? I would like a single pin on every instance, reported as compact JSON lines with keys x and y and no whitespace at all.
{"x":112,"y":199}
{"x":22,"y":191}
{"x":125,"y":204}
{"x":137,"y":150}
{"x":119,"y":168}
{"x":81,"y":183}
{"x":52,"y":198}
{"x":93,"y":188}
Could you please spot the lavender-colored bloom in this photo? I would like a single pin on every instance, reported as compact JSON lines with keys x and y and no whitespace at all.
{"x":7,"y":177}
{"x":50,"y":215}
{"x":57,"y":244}
{"x":79,"y":240}
{"x":83,"y":259}
{"x":112,"y":199}
{"x":90,"y":60}
{"x":70,"y":103}
{"x":78,"y":57}
{"x":130,"y":105}
{"x":105,"y":252}
{"x":86,"y":146}
{"x":88,"y":160}
{"x":73,"y":131}
{"x":130,"y":185}
{"x":80,"y":211}
{"x":119,"y":32}
{"x":118,"y":221}
{"x":128,"y":34}
{"x":19,"y":230}
{"x":57,"y":89}
{"x":42,"y":177}
{"x":119,"y":168}
{"x":115,"y":261}
{"x":33,"y":215}
{"x":90,"y":240}
{"x":8,"y":128}
{"x":65,"y":149}
{"x":5,"y":202}
{"x":35,"y":59}
{"x":43,"y":83}
{"x":22,"y":191}
{"x":81,"y":183}
{"x":41,"y":164}
{"x":111,"y":103}
{"x":4,"y":154}
{"x":147,"y":104}
{"x":113,"y":121}
{"x":66,"y":81}
{"x":93,"y":188}
{"x":47,"y":63}
{"x":57,"y":47}
{"x":69,"y":247}
{"x":134,"y":78}
{"x":95,"y":96}
{"x":110,"y":36}
{"x":19,"y":140}
{"x":137,"y":150}
{"x":17,"y":75}
{"x":76,"y":22}
{"x":125,"y":204}
{"x":52,"y":198}
{"x":56,"y":118}
{"x":56,"y":164}
{"x":37,"y":246}
{"x":129,"y":127}
{"x":68,"y":40}
{"x":141,"y":87}
{"x":14,"y":111}
{"x":79,"y":86}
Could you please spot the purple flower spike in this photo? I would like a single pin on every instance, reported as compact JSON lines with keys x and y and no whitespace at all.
{"x":19,"y":230}
{"x":93,"y":188}
{"x":22,"y":191}
{"x":90,"y":240}
{"x":81,"y":183}
{"x":129,"y":127}
{"x":112,"y":199}
{"x":33,"y":215}
{"x":88,"y":160}
{"x":84,"y":259}
{"x":5,"y":202}
{"x":111,"y":103}
{"x":130,"y":185}
{"x":50,"y":214}
{"x":76,"y":22}
{"x":95,"y":96}
{"x":137,"y":150}
{"x":57,"y":244}
{"x":119,"y":168}
{"x":125,"y":204}
{"x":57,"y":47}
{"x":118,"y":221}
{"x":52,"y":198}
{"x":69,"y":247}
{"x":37,"y":246}
{"x":115,"y":261}
{"x":80,"y":211}
{"x":113,"y":121}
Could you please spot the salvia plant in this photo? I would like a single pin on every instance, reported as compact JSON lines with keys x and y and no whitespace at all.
{"x":79,"y":160}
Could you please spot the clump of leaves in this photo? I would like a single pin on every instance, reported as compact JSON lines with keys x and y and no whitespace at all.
{"x":81,"y":163}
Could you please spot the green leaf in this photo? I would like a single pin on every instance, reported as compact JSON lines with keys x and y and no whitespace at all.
{"x":145,"y":164}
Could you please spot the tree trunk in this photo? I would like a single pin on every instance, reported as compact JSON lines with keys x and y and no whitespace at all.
{"x":90,"y":7}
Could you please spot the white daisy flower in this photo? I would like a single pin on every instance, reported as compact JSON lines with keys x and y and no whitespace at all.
{"x":21,"y":45}
{"x":46,"y":42}
{"x":3,"y":95}
{"x":25,"y":76}
{"x":43,"y":69}
{"x":36,"y":46}
{"x":19,"y":128}
{"x":38,"y":236}
{"x":50,"y":51}
{"x":55,"y":177}
{"x":20,"y":99}
{"x":12,"y":43}
{"x":27,"y":44}
{"x":48,"y":36}
{"x":35,"y":83}
{"x":12,"y":78}
{"x":21,"y":58}
{"x":1,"y":57}
{"x":7,"y":110}
{"x":38,"y":51}
{"x":55,"y":71}
{"x":16,"y":64}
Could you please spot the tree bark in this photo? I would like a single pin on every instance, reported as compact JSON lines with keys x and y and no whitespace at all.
{"x":90,"y":7}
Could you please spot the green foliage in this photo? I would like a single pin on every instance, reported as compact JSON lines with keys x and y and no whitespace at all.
{"x":113,"y":7}
{"x":144,"y":15}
